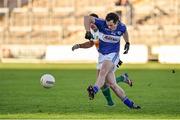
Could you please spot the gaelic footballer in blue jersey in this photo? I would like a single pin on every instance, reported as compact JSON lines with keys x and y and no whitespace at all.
{"x":95,"y":42}
{"x":110,"y":32}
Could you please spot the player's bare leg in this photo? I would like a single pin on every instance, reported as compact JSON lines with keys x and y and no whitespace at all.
{"x":106,"y":67}
{"x":119,"y":91}
{"x":114,"y":86}
{"x":124,"y":78}
{"x":106,"y":92}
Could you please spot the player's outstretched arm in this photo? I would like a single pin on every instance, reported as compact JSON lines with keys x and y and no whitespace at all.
{"x":87,"y":22}
{"x":127,"y":45}
{"x":83,"y":45}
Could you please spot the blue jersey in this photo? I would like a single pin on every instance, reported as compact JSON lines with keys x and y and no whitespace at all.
{"x":109,"y":40}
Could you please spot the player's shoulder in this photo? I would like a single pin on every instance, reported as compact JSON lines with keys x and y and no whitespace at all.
{"x":122,"y":24}
{"x":122,"y":27}
{"x":100,"y":20}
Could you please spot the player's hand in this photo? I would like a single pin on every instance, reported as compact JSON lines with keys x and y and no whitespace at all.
{"x":126,"y":47}
{"x":88,"y":35}
{"x":76,"y":46}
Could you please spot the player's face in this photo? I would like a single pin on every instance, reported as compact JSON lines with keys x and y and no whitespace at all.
{"x":111,"y":25}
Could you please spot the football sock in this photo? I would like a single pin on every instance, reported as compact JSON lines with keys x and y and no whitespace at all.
{"x":128,"y":102}
{"x":95,"y":88}
{"x":119,"y":79}
{"x":107,"y":95}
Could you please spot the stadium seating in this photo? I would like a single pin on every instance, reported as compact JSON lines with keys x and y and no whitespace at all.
{"x":19,"y":34}
{"x":20,"y":17}
{"x":4,"y":12}
{"x":1,"y":35}
{"x":61,"y":22}
{"x":40,"y":16}
{"x":63,"y":16}
{"x":47,"y":34}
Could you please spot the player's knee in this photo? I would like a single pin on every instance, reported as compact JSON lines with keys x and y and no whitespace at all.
{"x":102,"y":72}
{"x":113,"y":85}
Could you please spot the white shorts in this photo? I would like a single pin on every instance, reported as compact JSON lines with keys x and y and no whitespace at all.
{"x":113,"y":57}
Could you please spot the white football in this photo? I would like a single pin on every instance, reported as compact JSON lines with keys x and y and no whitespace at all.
{"x":47,"y":80}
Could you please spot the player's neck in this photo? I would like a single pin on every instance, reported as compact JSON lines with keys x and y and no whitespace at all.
{"x":114,"y":28}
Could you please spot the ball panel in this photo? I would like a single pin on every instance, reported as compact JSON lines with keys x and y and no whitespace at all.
{"x":47,"y":80}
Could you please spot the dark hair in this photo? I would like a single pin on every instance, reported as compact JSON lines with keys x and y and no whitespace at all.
{"x":94,"y":15}
{"x":112,"y":16}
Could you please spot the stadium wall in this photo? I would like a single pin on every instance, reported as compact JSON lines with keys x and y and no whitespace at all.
{"x":63,"y":53}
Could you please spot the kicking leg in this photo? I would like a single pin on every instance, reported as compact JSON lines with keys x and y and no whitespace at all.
{"x":120,"y":92}
{"x":124,"y":78}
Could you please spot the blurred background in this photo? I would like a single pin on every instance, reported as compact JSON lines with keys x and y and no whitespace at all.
{"x":45,"y":30}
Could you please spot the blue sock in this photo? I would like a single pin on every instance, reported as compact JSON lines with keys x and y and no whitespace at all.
{"x":96,"y":89}
{"x":128,"y":102}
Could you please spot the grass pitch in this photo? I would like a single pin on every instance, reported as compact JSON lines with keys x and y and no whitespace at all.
{"x":156,"y":88}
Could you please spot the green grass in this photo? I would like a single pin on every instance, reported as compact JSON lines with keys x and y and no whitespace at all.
{"x":155,"y":88}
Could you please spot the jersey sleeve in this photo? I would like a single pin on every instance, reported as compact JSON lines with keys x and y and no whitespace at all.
{"x":123,"y":28}
{"x":99,"y":23}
